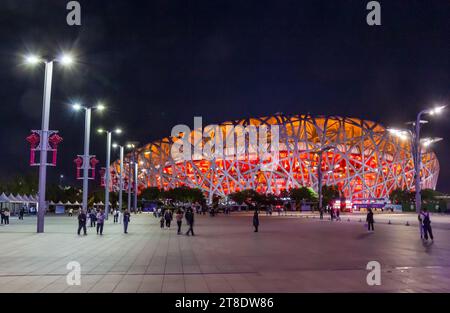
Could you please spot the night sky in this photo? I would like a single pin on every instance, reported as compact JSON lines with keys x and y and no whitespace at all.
{"x":160,"y":63}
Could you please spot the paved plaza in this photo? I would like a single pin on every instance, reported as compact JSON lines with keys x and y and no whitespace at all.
{"x":289,"y":254}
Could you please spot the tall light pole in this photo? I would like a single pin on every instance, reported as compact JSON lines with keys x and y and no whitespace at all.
{"x":86,"y":156}
{"x":44,"y":146}
{"x":417,"y":156}
{"x":132,"y":146}
{"x":120,"y":175}
{"x":108,"y":161}
{"x":319,"y":172}
{"x":416,"y":148}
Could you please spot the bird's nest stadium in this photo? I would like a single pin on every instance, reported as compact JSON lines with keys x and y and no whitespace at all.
{"x":361,"y":157}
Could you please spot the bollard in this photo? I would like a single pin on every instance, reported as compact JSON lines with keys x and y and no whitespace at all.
{"x":389,"y":222}
{"x":407,"y":223}
{"x":348,"y":220}
{"x":360,"y":220}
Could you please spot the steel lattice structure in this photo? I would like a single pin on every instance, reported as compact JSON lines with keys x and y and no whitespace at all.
{"x":366,"y":161}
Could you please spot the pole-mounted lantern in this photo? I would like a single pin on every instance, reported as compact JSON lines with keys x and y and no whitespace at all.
{"x":36,"y":145}
{"x":90,"y":166}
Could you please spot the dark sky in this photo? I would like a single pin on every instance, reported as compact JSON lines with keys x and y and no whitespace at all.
{"x":159,"y":63}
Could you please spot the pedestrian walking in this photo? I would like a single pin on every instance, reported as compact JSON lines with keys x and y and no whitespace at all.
{"x":126,"y":220}
{"x":82,"y":222}
{"x":179,"y":218}
{"x":100,"y":221}
{"x":321,"y":213}
{"x":370,"y":220}
{"x":116,"y":216}
{"x":426,"y":224}
{"x":168,"y":217}
{"x":256,"y":221}
{"x":3,"y":216}
{"x":190,"y":221}
{"x":338,"y":215}
{"x":93,"y":217}
{"x":21,"y":213}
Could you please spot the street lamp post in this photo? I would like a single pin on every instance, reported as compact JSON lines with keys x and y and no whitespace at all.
{"x":319,"y":173}
{"x":33,"y":60}
{"x":86,"y":156}
{"x":107,"y":170}
{"x":417,"y":152}
{"x":416,"y":149}
{"x":135,"y":185}
{"x":132,"y":171}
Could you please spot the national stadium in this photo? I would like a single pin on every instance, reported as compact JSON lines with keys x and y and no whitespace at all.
{"x":360,"y":157}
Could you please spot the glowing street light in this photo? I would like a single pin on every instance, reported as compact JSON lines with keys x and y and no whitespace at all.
{"x":66,"y":59}
{"x":86,"y":156}
{"x":132,"y":146}
{"x":33,"y":59}
{"x":115,"y":145}
{"x":108,"y":161}
{"x":416,"y":144}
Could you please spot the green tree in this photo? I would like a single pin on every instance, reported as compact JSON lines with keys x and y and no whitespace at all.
{"x":329,"y":193}
{"x":151,"y":193}
{"x":303,"y":194}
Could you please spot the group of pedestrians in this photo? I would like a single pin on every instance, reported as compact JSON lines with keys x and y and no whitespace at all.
{"x":166,"y":218}
{"x":97,"y":219}
{"x":5,"y":216}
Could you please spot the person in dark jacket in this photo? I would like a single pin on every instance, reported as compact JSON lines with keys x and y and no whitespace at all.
{"x":21,"y":213}
{"x":168,"y":217}
{"x":190,"y":221}
{"x":126,"y":220}
{"x":82,"y":222}
{"x":369,"y":220}
{"x":426,"y":224}
{"x":256,"y":221}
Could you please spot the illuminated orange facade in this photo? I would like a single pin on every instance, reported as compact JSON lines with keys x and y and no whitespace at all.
{"x":364,"y":160}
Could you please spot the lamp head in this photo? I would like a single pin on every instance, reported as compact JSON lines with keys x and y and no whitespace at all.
{"x":77,"y":107}
{"x":66,"y":59}
{"x":32,"y":59}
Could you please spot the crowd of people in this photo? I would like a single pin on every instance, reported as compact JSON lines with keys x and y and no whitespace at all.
{"x":96,"y":219}
{"x":166,"y":217}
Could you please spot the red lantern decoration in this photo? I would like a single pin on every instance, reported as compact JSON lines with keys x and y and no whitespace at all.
{"x":34,"y":140}
{"x":53,"y":141}
{"x":79,"y":162}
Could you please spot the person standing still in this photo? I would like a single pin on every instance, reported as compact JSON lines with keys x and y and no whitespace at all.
{"x":370,"y":220}
{"x":190,"y":221}
{"x":256,"y":221}
{"x":426,"y":222}
{"x":100,"y":221}
{"x":179,"y":218}
{"x":126,"y":220}
{"x":82,"y":222}
{"x":7,"y":214}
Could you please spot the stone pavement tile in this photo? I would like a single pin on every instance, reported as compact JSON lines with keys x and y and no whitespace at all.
{"x":106,"y":284}
{"x":87,"y":282}
{"x":217,"y":283}
{"x":195,"y":283}
{"x":173,"y":283}
{"x":36,"y":285}
{"x":151,"y":283}
{"x":129,"y":284}
{"x":239,"y":283}
{"x":59,"y":285}
{"x":191,"y":269}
